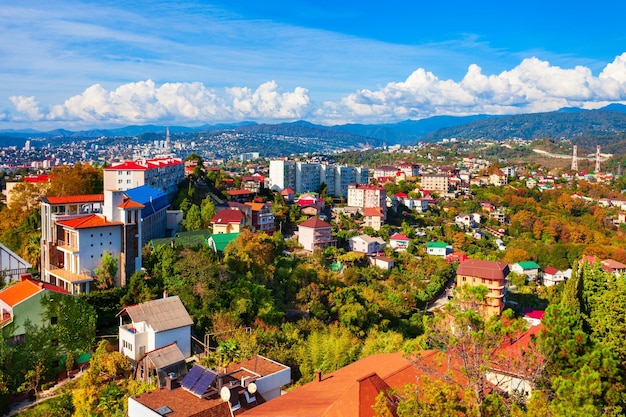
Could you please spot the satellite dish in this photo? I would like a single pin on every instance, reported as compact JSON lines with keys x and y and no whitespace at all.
{"x":225,"y":393}
{"x":251,"y":387}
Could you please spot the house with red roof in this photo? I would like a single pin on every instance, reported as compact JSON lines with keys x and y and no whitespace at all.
{"x":552,"y":276}
{"x":76,"y":231}
{"x":315,"y":233}
{"x":490,"y":274}
{"x":399,"y":242}
{"x":163,"y":174}
{"x":228,"y":221}
{"x":373,"y":217}
{"x":21,"y":302}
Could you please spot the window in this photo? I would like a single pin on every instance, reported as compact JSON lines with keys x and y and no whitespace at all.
{"x":54,"y":320}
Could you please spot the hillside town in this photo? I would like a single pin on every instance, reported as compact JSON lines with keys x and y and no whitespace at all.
{"x":435,"y":279}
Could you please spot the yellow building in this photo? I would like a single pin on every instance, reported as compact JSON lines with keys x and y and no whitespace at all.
{"x":492,"y":275}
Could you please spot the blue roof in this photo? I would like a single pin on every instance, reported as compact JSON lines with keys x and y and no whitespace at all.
{"x":153,"y":199}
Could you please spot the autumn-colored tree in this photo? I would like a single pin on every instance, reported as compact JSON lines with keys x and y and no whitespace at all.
{"x":77,"y":180}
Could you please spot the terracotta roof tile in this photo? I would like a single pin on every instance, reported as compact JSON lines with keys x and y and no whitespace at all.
{"x":315,"y":223}
{"x":74,"y":199}
{"x":130,"y":204}
{"x":93,"y":220}
{"x":23,"y":290}
{"x":483,"y":269}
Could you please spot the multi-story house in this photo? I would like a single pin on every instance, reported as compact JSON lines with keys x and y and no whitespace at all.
{"x":367,"y":196}
{"x":373,"y":217}
{"x":315,"y":233}
{"x":263,"y":217}
{"x":409,"y":170}
{"x":163,"y":174}
{"x":490,"y":274}
{"x":498,"y":178}
{"x":77,"y":230}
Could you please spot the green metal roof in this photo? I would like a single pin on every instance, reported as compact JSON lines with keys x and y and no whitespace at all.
{"x":221,"y":240}
{"x":436,"y":245}
{"x":528,"y":265}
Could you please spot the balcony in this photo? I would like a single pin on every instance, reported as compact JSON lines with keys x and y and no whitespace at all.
{"x":67,"y":246}
{"x":58,"y":271}
{"x":5,"y":318}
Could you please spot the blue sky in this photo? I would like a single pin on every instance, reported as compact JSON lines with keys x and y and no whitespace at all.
{"x":87,"y":64}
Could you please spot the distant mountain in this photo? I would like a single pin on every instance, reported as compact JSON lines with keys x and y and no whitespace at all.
{"x":408,"y":131}
{"x":556,"y":125}
{"x":567,"y":122}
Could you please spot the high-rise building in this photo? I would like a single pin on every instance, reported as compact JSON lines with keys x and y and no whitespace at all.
{"x":303,"y":177}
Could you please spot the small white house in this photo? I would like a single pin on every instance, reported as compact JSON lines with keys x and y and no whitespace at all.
{"x":528,"y":268}
{"x":155,"y":324}
{"x":552,"y":276}
{"x":398,"y":242}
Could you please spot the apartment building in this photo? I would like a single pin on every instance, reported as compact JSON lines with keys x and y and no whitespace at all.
{"x":367,"y":196}
{"x":436,"y":182}
{"x":304,"y":176}
{"x":163,"y":174}
{"x":76,"y":231}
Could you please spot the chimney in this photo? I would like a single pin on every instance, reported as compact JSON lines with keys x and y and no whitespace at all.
{"x":24,"y":277}
{"x":171,"y":382}
{"x":318,"y":375}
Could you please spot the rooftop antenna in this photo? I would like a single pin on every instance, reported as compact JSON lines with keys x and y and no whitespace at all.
{"x":575,"y":159}
{"x":598,"y":159}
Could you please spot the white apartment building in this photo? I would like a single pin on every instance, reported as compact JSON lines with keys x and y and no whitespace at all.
{"x":282,"y":174}
{"x":163,"y":174}
{"x":303,"y":177}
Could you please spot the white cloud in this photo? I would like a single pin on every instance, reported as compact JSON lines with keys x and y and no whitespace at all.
{"x":146,"y":102}
{"x":532,"y":86}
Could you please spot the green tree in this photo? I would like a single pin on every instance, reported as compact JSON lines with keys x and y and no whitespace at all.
{"x":106,"y":274}
{"x":193,"y":219}
{"x":207,"y":212}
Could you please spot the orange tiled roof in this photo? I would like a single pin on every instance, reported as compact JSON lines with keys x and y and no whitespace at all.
{"x":373,"y":212}
{"x":25,"y":289}
{"x":347,"y":392}
{"x":74,"y":199}
{"x":92,"y":220}
{"x":130,"y":204}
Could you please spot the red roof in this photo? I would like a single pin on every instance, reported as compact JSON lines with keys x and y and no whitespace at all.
{"x":238,"y":192}
{"x":227,"y":217}
{"x":315,"y":223}
{"x":142,"y":165}
{"x":402,"y":195}
{"x":93,"y":220}
{"x":550,"y":270}
{"x":287,"y":191}
{"x":36,"y":178}
{"x":373,"y":212}
{"x":399,"y":236}
{"x":25,"y":289}
{"x":483,"y":269}
{"x":74,"y":199}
